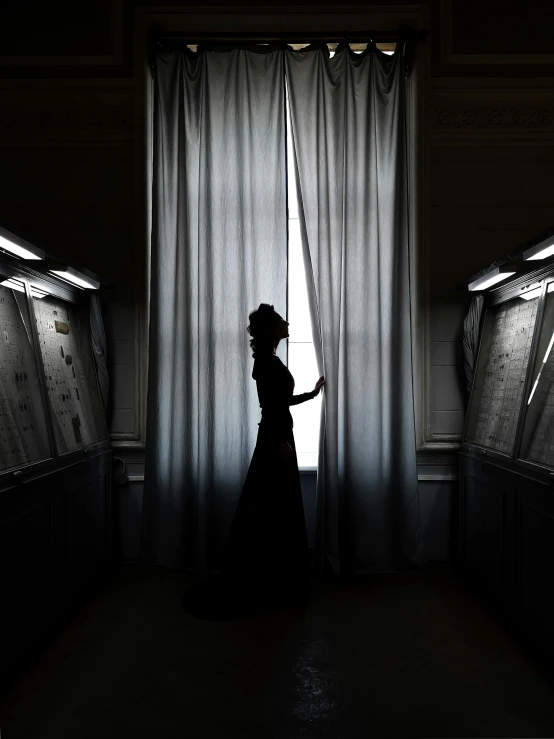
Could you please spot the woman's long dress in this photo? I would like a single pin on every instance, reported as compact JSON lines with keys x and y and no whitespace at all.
{"x":266,"y":558}
{"x":267,"y":550}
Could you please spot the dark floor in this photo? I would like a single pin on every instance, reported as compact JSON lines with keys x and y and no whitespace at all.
{"x":405,"y":656}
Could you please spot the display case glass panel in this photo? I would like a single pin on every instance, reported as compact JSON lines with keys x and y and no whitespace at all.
{"x":64,"y":338}
{"x":537,"y":444}
{"x":500,"y":373}
{"x":23,"y":427}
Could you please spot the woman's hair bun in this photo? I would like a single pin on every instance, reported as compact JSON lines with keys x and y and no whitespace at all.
{"x":261,"y":328}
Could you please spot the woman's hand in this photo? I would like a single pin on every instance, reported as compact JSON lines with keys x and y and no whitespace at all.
{"x":284,"y":451}
{"x":319,"y":384}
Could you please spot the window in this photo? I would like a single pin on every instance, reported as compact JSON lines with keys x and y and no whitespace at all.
{"x":301,"y":352}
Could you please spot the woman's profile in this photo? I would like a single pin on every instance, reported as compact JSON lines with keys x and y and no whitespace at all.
{"x":266,"y":557}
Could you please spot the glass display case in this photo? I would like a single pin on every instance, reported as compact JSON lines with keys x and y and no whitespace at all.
{"x":63,"y":334}
{"x":50,"y":402}
{"x":511,"y":408}
{"x":505,"y":494}
{"x":23,"y":428}
{"x":537,"y":443}
{"x":500,"y":375}
{"x":56,"y":534}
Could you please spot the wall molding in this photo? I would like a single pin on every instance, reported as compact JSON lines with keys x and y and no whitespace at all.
{"x":35,"y":112}
{"x":421,"y":478}
{"x":494,"y":117}
{"x":437,"y":478}
{"x":449,"y":58}
{"x":500,"y":115}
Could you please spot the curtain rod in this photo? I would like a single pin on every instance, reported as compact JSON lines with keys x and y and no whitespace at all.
{"x":405,"y":34}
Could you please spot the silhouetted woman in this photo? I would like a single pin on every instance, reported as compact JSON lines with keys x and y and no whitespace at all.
{"x":267,"y":557}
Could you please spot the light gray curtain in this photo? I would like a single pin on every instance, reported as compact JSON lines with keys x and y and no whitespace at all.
{"x":218,"y":251}
{"x":348,"y":124}
{"x":472,"y":323}
{"x":100,"y":348}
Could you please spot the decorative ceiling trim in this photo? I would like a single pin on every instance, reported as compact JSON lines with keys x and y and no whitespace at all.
{"x":499,"y":114}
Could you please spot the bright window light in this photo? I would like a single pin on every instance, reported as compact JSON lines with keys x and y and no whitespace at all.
{"x":301,"y":352}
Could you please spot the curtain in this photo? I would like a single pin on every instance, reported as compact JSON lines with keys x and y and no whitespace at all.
{"x":349,"y":137}
{"x":472,"y":323}
{"x":218,"y":249}
{"x":100,"y":349}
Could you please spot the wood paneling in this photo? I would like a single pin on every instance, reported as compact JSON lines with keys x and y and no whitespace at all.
{"x":505,"y":524}
{"x":55,"y":543}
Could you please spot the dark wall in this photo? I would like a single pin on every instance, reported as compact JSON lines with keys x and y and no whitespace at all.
{"x":70,"y":168}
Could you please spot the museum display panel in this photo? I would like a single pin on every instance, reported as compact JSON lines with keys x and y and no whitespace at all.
{"x":505,"y":505}
{"x":56,"y":541}
{"x":23,"y":429}
{"x":538,"y":432}
{"x":73,"y":394}
{"x":501,"y":369}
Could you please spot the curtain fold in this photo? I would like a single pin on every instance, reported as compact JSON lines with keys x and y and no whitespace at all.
{"x":472,"y":323}
{"x":100,"y":348}
{"x":218,"y":250}
{"x":348,"y":125}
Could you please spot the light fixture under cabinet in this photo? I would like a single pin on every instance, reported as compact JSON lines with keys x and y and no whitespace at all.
{"x":19,"y":247}
{"x":542,"y":250}
{"x":76,"y":277}
{"x":19,"y":286}
{"x":81,"y":278}
{"x":492,"y":277}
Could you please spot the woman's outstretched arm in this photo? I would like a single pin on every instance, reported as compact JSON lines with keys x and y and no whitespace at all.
{"x":308,"y":396}
{"x":302,"y":398}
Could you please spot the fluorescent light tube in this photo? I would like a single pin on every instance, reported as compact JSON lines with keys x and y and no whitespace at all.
{"x":21,"y":248}
{"x":546,"y":355}
{"x":534,"y":388}
{"x":548,"y":350}
{"x":542,"y":250}
{"x":15,"y":284}
{"x":75,"y":277}
{"x":492,"y":277}
{"x":531,"y":294}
